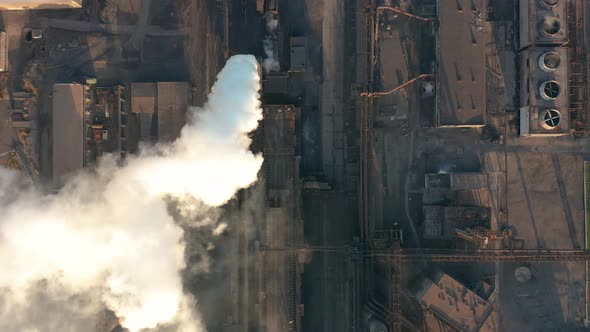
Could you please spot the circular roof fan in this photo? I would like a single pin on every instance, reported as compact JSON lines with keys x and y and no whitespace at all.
{"x":522,"y":274}
{"x":550,"y":3}
{"x":549,"y":90}
{"x":551,"y":119}
{"x":551,"y":25}
{"x":549,"y":61}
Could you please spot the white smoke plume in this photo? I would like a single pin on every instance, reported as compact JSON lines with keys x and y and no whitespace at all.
{"x":107,"y":238}
{"x":270,"y":63}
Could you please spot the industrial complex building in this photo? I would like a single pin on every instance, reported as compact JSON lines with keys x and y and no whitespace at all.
{"x":89,"y":121}
{"x":423,"y":159}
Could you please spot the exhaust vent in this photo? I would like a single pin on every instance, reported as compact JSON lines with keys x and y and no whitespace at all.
{"x":550,"y":25}
{"x":549,"y":61}
{"x":550,"y":3}
{"x":549,"y":90}
{"x":551,"y":119}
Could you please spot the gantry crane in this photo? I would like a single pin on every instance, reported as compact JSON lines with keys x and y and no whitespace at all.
{"x":482,"y":236}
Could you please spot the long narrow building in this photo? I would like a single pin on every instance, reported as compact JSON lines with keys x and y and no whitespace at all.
{"x":39,"y":4}
{"x":68,"y":131}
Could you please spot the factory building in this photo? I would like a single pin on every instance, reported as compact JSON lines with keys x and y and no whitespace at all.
{"x":161,"y":109}
{"x":67,"y":131}
{"x":39,"y":4}
{"x":461,"y":74}
{"x":544,"y":68}
{"x":455,"y":305}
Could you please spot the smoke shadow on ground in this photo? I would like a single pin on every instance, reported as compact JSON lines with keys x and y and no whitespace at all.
{"x":218,"y":253}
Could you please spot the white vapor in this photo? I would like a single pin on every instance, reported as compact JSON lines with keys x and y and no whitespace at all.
{"x":270,"y":63}
{"x":107,"y":239}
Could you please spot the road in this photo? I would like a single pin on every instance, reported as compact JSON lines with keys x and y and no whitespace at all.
{"x":331,"y":94}
{"x":6,"y":131}
{"x":327,"y":291}
{"x":115,"y":29}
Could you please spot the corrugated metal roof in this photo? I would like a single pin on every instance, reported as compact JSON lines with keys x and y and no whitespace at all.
{"x":68,"y":130}
{"x":143,"y":97}
{"x":173,"y":101}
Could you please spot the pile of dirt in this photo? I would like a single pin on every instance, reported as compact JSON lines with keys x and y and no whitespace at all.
{"x":4,"y":85}
{"x":32,"y":77}
{"x":10,"y":161}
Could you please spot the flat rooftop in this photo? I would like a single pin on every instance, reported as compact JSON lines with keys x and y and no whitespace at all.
{"x":461,"y":77}
{"x":68,"y":130}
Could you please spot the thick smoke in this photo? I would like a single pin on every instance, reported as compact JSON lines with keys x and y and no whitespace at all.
{"x":108,"y":239}
{"x":269,"y":44}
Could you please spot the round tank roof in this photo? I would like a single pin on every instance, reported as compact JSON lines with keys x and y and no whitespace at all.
{"x":549,"y":61}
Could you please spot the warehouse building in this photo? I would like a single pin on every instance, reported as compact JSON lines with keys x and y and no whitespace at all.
{"x":461,"y":79}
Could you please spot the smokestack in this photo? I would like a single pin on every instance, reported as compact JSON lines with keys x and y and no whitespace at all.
{"x":107,"y":239}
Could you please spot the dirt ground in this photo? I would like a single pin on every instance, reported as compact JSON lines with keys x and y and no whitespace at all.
{"x":545,"y":199}
{"x":553,"y":300}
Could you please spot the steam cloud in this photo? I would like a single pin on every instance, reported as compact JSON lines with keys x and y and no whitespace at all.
{"x":269,"y":44}
{"x":107,"y":238}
